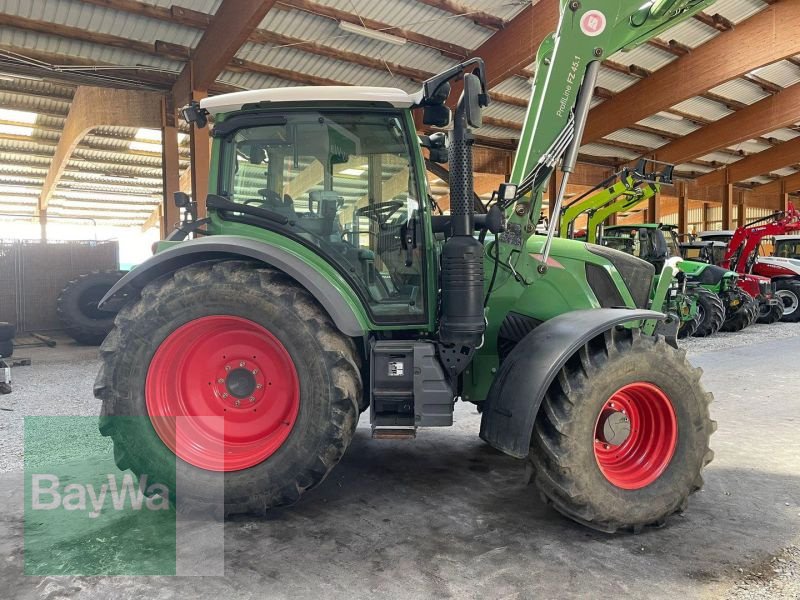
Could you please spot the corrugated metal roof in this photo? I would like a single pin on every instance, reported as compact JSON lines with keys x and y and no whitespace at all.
{"x":645,"y":56}
{"x":419,"y":18}
{"x":740,"y":90}
{"x":703,"y":108}
{"x":782,"y":73}
{"x":639,"y":138}
{"x":671,"y":124}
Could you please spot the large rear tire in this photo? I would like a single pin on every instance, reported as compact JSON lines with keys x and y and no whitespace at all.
{"x":788,"y":292}
{"x":742,"y":316}
{"x":688,"y":328}
{"x":711,"y":311}
{"x":77,"y":307}
{"x":244,"y":344}
{"x":586,"y":465}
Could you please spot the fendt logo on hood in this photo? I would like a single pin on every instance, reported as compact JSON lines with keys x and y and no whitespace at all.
{"x":593,"y":23}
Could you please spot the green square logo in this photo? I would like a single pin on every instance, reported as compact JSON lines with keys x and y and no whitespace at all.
{"x":85,"y":516}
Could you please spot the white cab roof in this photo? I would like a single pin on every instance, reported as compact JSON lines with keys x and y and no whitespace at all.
{"x":714,"y":233}
{"x":787,"y":237}
{"x":336,"y":93}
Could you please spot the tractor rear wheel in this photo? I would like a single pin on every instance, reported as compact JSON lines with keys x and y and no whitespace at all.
{"x":769,"y":313}
{"x":788,"y":292}
{"x":619,"y":444}
{"x":711,"y":311}
{"x":228,"y":372}
{"x":741,"y":317}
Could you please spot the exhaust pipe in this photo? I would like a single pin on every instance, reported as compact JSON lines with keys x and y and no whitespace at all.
{"x":462,"y":321}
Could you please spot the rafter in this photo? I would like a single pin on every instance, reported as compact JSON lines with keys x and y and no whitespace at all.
{"x":446,"y":48}
{"x":92,"y":107}
{"x":478,"y":17}
{"x":775,"y":158}
{"x":756,"y":42}
{"x":759,"y":118}
{"x":232,"y":24}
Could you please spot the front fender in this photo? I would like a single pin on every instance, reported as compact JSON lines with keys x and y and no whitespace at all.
{"x":331,"y":297}
{"x":530,"y":368}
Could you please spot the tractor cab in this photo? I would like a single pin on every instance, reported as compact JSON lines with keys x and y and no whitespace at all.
{"x":653,"y":243}
{"x":703,"y":251}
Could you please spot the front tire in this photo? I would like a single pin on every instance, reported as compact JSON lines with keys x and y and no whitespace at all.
{"x":711,"y":310}
{"x":770,"y":313}
{"x":585,"y":465}
{"x":742,"y":316}
{"x":788,"y":292}
{"x":248,"y":347}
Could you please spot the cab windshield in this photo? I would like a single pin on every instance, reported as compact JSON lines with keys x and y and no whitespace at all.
{"x":346,"y":184}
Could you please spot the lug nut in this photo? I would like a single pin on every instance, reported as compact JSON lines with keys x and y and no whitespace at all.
{"x":237,"y":403}
{"x":259,"y":386}
{"x":241,"y":363}
{"x":220,"y":380}
{"x":252,"y":398}
{"x":255,"y":371}
{"x":227,"y":368}
{"x":225,"y":395}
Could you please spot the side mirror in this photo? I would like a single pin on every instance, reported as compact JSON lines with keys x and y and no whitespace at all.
{"x":436,"y":143}
{"x":472,"y":100}
{"x":194,"y":114}
{"x":257,"y":155}
{"x":182,"y":199}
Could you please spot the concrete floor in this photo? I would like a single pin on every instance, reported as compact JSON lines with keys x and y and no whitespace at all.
{"x":445,"y":516}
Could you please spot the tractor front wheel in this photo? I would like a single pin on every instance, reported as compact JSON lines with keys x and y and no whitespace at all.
{"x":742,"y":316}
{"x":788,"y":292}
{"x":769,"y":313}
{"x":228,"y":375}
{"x":622,"y":435}
{"x":711,"y":311}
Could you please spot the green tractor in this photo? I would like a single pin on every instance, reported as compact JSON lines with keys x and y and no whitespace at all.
{"x":321,"y":285}
{"x":621,"y":192}
{"x":722,"y":305}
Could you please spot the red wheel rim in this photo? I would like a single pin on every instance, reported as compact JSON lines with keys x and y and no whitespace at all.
{"x":222,"y":393}
{"x":635,"y":435}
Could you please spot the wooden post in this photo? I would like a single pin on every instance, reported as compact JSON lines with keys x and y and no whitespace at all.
{"x":653,"y":215}
{"x":683,"y":209}
{"x":727,"y":205}
{"x":199,"y":142}
{"x":170,"y":168}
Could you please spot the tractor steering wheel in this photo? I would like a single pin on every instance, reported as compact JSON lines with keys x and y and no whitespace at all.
{"x":269,"y":199}
{"x":380,"y":212}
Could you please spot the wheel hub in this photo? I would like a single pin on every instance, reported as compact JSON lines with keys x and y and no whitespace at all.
{"x":635,"y":436}
{"x":222,"y":393}
{"x":790,"y":301}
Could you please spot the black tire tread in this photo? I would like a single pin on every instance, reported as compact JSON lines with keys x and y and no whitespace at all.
{"x":549,"y":459}
{"x":90,"y":335}
{"x":339,"y":355}
{"x":793,"y":286}
{"x":714,"y":312}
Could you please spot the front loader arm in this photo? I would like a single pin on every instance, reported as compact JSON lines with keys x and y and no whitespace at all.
{"x":567,"y":65}
{"x":624,"y":204}
{"x":587,"y":203}
{"x":746,"y":239}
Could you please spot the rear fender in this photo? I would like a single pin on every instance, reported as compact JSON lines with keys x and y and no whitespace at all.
{"x":526,"y":374}
{"x":331,"y":297}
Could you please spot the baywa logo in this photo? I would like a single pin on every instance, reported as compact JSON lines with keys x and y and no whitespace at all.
{"x":48,"y":493}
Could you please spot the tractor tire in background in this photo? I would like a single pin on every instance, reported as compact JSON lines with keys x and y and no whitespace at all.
{"x":688,"y":328}
{"x":247,"y":346}
{"x":769,"y":314}
{"x":741,"y":317}
{"x":7,"y":333}
{"x":753,"y":310}
{"x":711,"y":311}
{"x":788,"y":291}
{"x":77,"y":307}
{"x":617,"y":444}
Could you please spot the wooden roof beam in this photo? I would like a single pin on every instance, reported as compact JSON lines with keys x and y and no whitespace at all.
{"x":478,"y":17}
{"x":759,"y":118}
{"x":92,"y":107}
{"x":231,"y":26}
{"x":775,"y":158}
{"x":756,"y":42}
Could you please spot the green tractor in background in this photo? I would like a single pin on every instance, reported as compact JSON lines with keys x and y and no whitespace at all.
{"x":321,"y":285}
{"x":722,"y":304}
{"x":621,"y":192}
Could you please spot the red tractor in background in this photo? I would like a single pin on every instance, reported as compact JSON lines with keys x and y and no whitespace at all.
{"x":742,"y":256}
